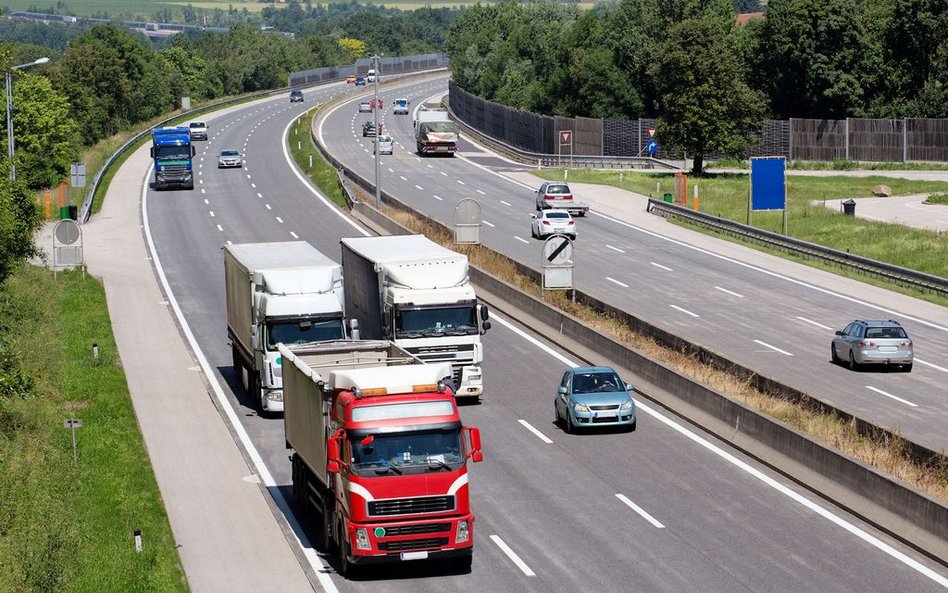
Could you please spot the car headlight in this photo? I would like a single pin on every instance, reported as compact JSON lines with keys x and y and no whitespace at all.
{"x":463,"y":533}
{"x":362,"y":539}
{"x":627,"y":405}
{"x":580,"y":408}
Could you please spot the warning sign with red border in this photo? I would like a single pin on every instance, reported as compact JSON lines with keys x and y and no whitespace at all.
{"x":566,"y":136}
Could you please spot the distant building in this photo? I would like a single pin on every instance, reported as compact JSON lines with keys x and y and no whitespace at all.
{"x":744,"y":18}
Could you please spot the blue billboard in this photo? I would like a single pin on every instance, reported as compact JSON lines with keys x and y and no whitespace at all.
{"x":768,"y":184}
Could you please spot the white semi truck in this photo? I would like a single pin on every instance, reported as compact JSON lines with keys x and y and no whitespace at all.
{"x":278,"y":292}
{"x":409,"y":289}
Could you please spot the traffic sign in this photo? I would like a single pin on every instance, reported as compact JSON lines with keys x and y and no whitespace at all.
{"x":651,"y":132}
{"x":651,"y":147}
{"x":558,"y":250}
{"x":566,"y":136}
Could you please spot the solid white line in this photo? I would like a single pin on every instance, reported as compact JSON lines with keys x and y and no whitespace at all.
{"x":513,"y":556}
{"x":661,"y":266}
{"x":418,"y":187}
{"x":487,"y":223}
{"x":730,"y":292}
{"x":521,"y":240}
{"x":615,"y":249}
{"x":766,"y":345}
{"x":640,"y":511}
{"x":622,"y":284}
{"x":811,"y":322}
{"x":896,"y":398}
{"x":684,"y":310}
{"x":934,"y":366}
{"x":505,"y":203}
{"x":755,"y":473}
{"x":539,"y":434}
{"x":437,"y":197}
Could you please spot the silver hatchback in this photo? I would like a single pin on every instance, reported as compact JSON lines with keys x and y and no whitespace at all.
{"x":873,"y":342}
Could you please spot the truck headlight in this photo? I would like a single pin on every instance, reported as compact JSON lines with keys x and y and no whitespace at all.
{"x":473,"y":378}
{"x":580,"y":408}
{"x":275,"y":396}
{"x":463,"y":533}
{"x":362,"y":539}
{"x":627,"y":405}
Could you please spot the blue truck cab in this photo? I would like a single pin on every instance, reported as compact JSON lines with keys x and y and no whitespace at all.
{"x":172,"y":152}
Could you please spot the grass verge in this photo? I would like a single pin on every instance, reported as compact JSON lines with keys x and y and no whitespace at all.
{"x":887,"y":455}
{"x":308,"y":159}
{"x":840,"y":165}
{"x":65,"y":526}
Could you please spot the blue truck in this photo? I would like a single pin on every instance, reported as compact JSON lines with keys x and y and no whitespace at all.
{"x":172,"y":151}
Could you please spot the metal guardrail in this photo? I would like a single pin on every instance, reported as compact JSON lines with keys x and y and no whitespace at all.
{"x":904,"y":276}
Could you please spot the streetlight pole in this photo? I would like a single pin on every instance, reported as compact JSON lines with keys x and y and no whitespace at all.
{"x":10,"y":143}
{"x":378,"y":133}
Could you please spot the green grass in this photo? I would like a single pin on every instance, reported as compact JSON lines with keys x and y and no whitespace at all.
{"x":936,"y":199}
{"x":66,"y":527}
{"x":725,"y":195}
{"x":311,"y":162}
{"x":839,"y":165}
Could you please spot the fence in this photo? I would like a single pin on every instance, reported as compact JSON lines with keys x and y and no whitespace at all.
{"x":391,"y":65}
{"x":874,"y":140}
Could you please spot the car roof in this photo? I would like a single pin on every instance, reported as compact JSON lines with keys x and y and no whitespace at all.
{"x":880,"y":323}
{"x":555,"y":211}
{"x":234,"y":150}
{"x":586,"y":370}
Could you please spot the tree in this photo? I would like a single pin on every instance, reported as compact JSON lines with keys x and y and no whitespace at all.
{"x":353,"y":49}
{"x":46,"y":135}
{"x":705,"y":104}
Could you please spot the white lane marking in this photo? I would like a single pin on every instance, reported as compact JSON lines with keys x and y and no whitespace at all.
{"x":280,"y":220}
{"x":539,"y":434}
{"x":811,"y":322}
{"x":403,"y":178}
{"x":220,"y":228}
{"x":615,"y":249}
{"x":268,"y":207}
{"x":203,"y":191}
{"x":259,"y":195}
{"x":934,"y":366}
{"x":730,"y":292}
{"x":622,"y":284}
{"x":294,"y":235}
{"x":248,"y":175}
{"x":686,"y":311}
{"x":461,"y":182}
{"x":513,"y":556}
{"x":418,"y":187}
{"x":753,"y":472}
{"x":487,"y":223}
{"x":895,"y":397}
{"x":766,"y":345}
{"x":480,"y":192}
{"x":657,"y":265}
{"x":211,"y":213}
{"x":253,"y":185}
{"x":206,"y":201}
{"x":437,"y":197}
{"x":640,"y":511}
{"x":430,"y":166}
{"x":505,"y":203}
{"x":521,"y":240}
{"x":442,"y":172}
{"x":391,"y":170}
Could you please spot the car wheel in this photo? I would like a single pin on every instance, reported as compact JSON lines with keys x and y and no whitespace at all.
{"x":632,"y":426}
{"x":852,"y":362}
{"x":570,"y":427}
{"x":833,"y":357}
{"x":907,"y":367}
{"x":572,"y":237}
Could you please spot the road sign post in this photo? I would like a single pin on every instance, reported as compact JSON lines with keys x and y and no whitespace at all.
{"x":73,"y":424}
{"x":557,"y":263}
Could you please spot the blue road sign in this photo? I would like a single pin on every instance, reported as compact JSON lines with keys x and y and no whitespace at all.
{"x":651,"y":147}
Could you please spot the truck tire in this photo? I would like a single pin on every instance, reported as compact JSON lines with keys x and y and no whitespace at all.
{"x":235,"y":357}
{"x":462,"y":564}
{"x":346,"y":567}
{"x":326,"y":541}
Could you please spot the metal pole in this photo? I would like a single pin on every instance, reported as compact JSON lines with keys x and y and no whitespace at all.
{"x":375,"y":112}
{"x":10,"y":124}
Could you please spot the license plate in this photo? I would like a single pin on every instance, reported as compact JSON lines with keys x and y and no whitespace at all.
{"x":414,"y":555}
{"x":888,"y":349}
{"x":605,"y":414}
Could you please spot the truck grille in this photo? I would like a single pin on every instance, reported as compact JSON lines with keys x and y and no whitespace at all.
{"x":417,"y":529}
{"x":413,"y":544}
{"x":411,"y":506}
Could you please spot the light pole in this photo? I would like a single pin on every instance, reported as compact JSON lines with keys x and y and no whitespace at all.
{"x":378,"y":132}
{"x":10,"y":111}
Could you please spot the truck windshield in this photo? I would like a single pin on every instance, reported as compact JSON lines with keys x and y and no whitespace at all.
{"x":173,"y":152}
{"x":303,"y":332}
{"x":436,"y":321}
{"x":407,"y":452}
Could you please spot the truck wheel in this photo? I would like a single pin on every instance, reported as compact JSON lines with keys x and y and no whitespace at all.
{"x":235,"y":358}
{"x":463,"y":563}
{"x":326,"y":541}
{"x":346,"y":567}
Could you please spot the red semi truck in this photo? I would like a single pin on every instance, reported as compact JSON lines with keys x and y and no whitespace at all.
{"x":379,"y":453}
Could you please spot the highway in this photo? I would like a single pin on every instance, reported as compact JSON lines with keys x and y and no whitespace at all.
{"x":660,"y":509}
{"x":778,"y":325}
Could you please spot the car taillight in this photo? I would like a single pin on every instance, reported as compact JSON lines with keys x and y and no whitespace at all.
{"x":905,"y":344}
{"x":547,"y":197}
{"x":571,"y":222}
{"x":568,"y":197}
{"x":546,"y":222}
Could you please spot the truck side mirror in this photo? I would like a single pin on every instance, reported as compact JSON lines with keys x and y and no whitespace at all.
{"x":254,"y":338}
{"x":486,"y":325}
{"x":332,"y":449}
{"x":151,"y":151}
{"x":354,"y":329}
{"x":484,"y":312}
{"x":193,"y":151}
{"x":386,"y":323}
{"x":476,"y":454}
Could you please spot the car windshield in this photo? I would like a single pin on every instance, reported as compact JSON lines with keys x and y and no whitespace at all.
{"x":229,"y":153}
{"x":304,"y":332}
{"x":596,"y":382}
{"x":197,"y":124}
{"x":436,"y":321}
{"x":416,"y":451}
{"x":557,"y":215}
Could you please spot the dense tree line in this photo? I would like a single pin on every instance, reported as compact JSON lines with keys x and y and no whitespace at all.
{"x":708,"y":80}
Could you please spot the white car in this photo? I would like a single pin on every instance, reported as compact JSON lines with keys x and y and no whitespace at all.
{"x":229,"y":158}
{"x":385,"y":144}
{"x":198,"y":130}
{"x":365,"y":106}
{"x":552,"y":222}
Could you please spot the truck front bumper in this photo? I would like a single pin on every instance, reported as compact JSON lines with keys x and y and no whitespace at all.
{"x":472,"y":382}
{"x":373,"y":543}
{"x":272,"y":401}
